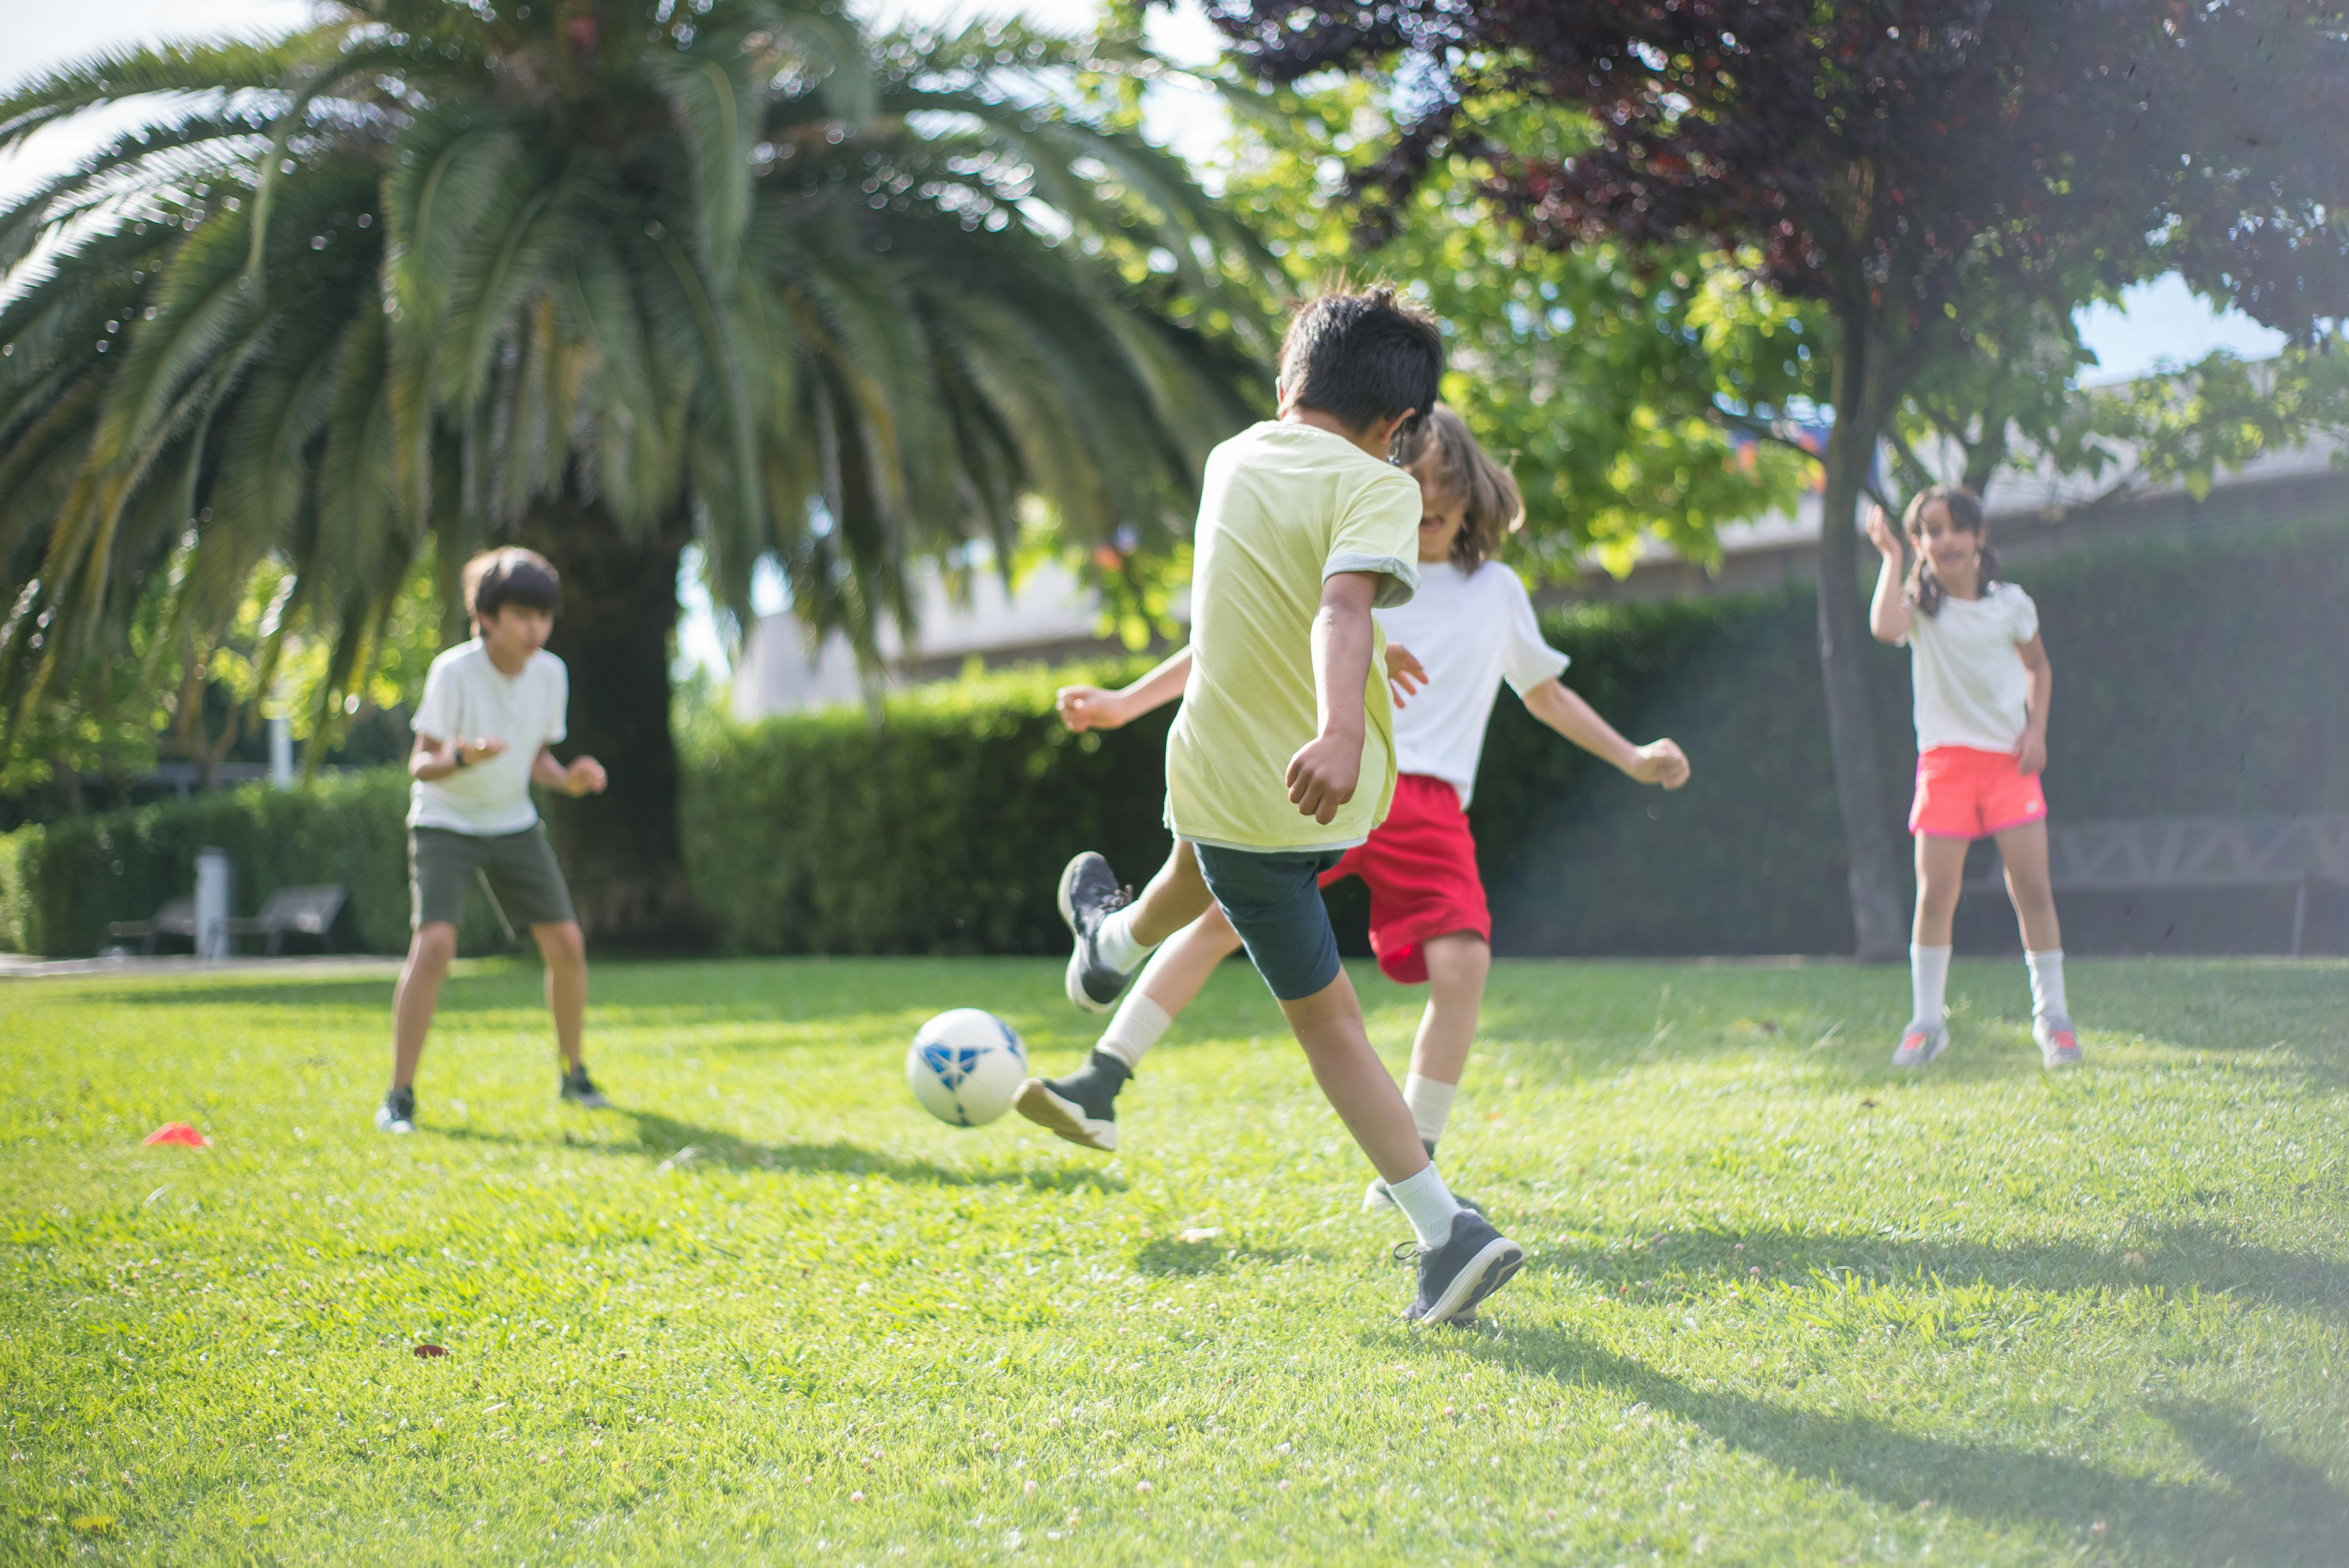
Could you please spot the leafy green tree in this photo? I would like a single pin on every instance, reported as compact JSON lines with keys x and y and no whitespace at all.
{"x":603,"y":276}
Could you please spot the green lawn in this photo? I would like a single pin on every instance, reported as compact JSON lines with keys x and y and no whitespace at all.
{"x":1782,"y":1306}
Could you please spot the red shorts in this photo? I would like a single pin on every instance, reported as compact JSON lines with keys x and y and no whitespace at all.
{"x":1420,"y":865}
{"x":1963,"y":793}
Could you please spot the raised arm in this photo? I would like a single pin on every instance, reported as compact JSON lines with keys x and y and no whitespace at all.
{"x":2031,"y":751}
{"x":1323,"y":774}
{"x":1889,"y":613}
{"x":1084,"y":708}
{"x":1562,"y":709}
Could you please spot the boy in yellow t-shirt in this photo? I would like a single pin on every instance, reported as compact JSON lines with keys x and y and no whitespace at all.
{"x":1282,"y":756}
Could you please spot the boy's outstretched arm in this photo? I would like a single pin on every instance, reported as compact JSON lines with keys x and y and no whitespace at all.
{"x":585,"y":776}
{"x":1562,"y":709}
{"x":1325,"y":770}
{"x":1084,"y":708}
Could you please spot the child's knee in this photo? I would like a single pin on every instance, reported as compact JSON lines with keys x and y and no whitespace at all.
{"x":1458,"y":958}
{"x":434,"y":945}
{"x":562,"y":943}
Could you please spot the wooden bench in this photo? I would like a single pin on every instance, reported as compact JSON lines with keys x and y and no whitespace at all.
{"x":2151,"y":854}
{"x":176,"y":918}
{"x":305,"y":910}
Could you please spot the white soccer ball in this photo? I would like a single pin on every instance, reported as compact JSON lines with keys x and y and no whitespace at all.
{"x":965,"y":1065}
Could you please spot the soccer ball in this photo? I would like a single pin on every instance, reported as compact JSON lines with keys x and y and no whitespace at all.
{"x":965,"y":1065}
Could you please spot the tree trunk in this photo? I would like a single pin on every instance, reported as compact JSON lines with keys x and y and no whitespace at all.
{"x":1878,"y":927}
{"x":620,"y":849}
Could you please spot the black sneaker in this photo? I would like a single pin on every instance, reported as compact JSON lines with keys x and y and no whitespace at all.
{"x":1376,"y":1197}
{"x":1455,"y":1277}
{"x":580,"y":1092}
{"x":398,"y":1111}
{"x":1082,"y":1107}
{"x":1089,"y":895}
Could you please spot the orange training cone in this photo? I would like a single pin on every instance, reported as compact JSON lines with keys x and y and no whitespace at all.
{"x":179,"y":1132}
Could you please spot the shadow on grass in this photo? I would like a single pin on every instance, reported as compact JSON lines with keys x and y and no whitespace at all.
{"x":1168,"y":1256}
{"x":2176,"y":1257}
{"x":2270,"y":1509}
{"x":666,"y":1139}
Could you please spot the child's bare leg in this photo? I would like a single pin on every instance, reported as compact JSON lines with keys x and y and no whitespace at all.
{"x":565,"y":951}
{"x":1329,"y":1026}
{"x":1176,"y":897}
{"x":1941,"y":871}
{"x":419,"y":992}
{"x":2024,"y":850}
{"x":1457,"y":963}
{"x":1183,"y":962}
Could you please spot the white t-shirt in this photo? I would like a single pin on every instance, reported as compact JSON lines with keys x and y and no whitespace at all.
{"x":1972,"y":688}
{"x":467,"y":698}
{"x":1473,"y":629}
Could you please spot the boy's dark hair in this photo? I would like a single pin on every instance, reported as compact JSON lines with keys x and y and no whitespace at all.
{"x":1443,"y":450}
{"x":1361,"y":358}
{"x":1965,"y":509}
{"x":496,"y":578}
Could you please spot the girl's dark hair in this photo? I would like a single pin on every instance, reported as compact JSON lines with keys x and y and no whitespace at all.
{"x":1923,"y":589}
{"x":1461,"y":469}
{"x":496,"y":578}
{"x":1363,"y":359}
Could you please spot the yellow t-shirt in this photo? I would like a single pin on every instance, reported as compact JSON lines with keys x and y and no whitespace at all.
{"x":1283,"y":506}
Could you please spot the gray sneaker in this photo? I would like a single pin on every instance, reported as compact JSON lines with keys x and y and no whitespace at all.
{"x":581,"y":1091}
{"x":1920,"y":1042}
{"x":1089,"y":895}
{"x":398,"y":1111}
{"x":2059,"y":1043}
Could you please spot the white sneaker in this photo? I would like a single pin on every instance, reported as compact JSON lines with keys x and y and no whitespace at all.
{"x":2059,"y":1043}
{"x":1920,"y":1042}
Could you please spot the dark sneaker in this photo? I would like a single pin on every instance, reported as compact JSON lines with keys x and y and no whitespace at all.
{"x":1920,"y":1042}
{"x":1455,"y":1277}
{"x":1082,"y":1107}
{"x":1376,"y":1197}
{"x":2059,"y":1043}
{"x":398,"y":1111}
{"x":1089,"y":895}
{"x":580,"y":1091}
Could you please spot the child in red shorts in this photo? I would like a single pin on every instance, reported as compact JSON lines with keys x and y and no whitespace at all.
{"x":1981,"y":680}
{"x":1470,"y":628}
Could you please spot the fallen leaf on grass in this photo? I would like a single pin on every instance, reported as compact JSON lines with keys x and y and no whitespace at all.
{"x":1195,"y":1233}
{"x":429,"y":1351}
{"x":100,"y":1523}
{"x":682,"y":1157}
{"x":1867,"y":1105}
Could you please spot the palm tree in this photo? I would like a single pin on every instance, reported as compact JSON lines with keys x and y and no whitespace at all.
{"x":607,"y":277}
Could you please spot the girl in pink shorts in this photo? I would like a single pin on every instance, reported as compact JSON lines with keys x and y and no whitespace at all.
{"x":1982,"y":681}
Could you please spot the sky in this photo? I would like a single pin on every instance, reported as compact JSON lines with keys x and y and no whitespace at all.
{"x":2157,"y":322}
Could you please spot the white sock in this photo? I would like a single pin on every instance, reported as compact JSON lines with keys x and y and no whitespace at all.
{"x":1119,"y":948}
{"x":1928,"y":982}
{"x":2046,"y":983}
{"x":1428,"y":1204}
{"x":1430,"y":1103}
{"x":1139,"y":1023}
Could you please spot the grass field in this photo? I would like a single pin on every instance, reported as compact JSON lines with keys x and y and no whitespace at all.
{"x":1782,"y":1306}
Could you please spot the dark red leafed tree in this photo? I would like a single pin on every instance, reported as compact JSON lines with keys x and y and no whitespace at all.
{"x":1911,"y":168}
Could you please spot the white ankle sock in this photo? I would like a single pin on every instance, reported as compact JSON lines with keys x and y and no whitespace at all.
{"x":1117,"y":945}
{"x":1431,"y":1103}
{"x":1428,"y":1204}
{"x":2046,"y":983}
{"x":1928,"y":982}
{"x":1139,"y":1023}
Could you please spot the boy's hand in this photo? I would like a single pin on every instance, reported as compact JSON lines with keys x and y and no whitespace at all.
{"x":1322,"y":776}
{"x":2030,"y":754}
{"x":1880,"y":534}
{"x":1084,"y":708}
{"x":1405,"y":673}
{"x":584,"y":776}
{"x":1661,"y":762}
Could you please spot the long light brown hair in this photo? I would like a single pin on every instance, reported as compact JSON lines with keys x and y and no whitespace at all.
{"x":1923,"y":589}
{"x":1462,"y":470}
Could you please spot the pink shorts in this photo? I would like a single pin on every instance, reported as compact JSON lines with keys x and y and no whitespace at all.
{"x":1963,"y":793}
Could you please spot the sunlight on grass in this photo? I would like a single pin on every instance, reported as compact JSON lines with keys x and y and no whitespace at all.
{"x":1783,"y":1304}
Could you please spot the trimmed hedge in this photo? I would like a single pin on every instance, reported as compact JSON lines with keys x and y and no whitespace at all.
{"x":61,"y":882}
{"x":2191,"y":678}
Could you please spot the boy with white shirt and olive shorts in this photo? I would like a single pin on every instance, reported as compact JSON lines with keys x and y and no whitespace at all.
{"x":491,"y":709}
{"x":1282,"y":758}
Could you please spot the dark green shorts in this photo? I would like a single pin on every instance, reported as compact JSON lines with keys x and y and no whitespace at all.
{"x":521,"y":869}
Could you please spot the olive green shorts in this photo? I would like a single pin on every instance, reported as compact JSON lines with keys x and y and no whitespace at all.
{"x":521,"y":869}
